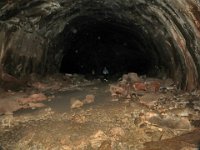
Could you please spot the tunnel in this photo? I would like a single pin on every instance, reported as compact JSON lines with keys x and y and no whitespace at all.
{"x":154,"y":38}
{"x":100,"y":74}
{"x":93,"y":45}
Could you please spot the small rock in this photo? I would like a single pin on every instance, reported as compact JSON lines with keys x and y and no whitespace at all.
{"x":89,"y":99}
{"x":76,"y":103}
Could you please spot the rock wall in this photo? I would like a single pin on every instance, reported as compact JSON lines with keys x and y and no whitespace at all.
{"x":34,"y":34}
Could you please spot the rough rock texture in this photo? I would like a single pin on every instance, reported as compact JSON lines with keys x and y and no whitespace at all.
{"x":36,"y":35}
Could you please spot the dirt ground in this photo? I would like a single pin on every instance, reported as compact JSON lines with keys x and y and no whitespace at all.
{"x":68,"y":112}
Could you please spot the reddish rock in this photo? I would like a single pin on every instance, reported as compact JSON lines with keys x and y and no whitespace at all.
{"x":139,"y":86}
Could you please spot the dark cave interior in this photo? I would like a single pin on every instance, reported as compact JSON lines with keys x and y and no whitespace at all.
{"x":91,"y":45}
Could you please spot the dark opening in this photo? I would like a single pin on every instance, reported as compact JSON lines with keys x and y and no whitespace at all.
{"x":92,"y":46}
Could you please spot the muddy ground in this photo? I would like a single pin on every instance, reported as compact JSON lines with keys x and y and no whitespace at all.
{"x":68,"y":112}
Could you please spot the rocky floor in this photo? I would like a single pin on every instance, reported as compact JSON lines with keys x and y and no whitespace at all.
{"x":71,"y":113}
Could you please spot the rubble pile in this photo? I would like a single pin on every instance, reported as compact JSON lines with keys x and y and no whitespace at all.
{"x":132,"y":86}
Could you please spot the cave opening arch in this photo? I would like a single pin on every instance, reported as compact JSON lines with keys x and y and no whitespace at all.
{"x":89,"y":45}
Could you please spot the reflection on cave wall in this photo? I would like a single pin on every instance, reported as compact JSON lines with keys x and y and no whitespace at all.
{"x":152,"y":36}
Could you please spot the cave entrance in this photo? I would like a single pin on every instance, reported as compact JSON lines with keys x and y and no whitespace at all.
{"x":92,"y":47}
